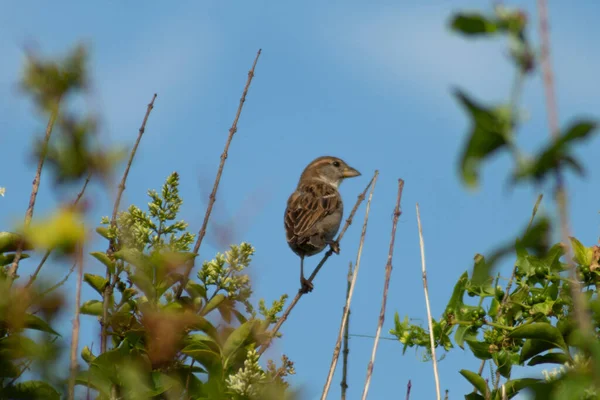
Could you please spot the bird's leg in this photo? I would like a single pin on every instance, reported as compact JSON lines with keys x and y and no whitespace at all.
{"x":305,"y":285}
{"x":335,"y":246}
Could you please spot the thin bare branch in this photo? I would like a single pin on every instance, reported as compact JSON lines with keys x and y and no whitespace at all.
{"x":580,"y":306}
{"x":328,"y":254}
{"x":429,"y":318}
{"x":386,"y":285}
{"x":113,"y":223}
{"x":213,"y":195}
{"x":35,"y":274}
{"x":346,"y":313}
{"x":12,"y":273}
{"x":408,"y":387}
{"x":346,"y":350}
{"x":75,"y":331}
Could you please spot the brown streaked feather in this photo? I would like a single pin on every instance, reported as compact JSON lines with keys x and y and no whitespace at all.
{"x":307,"y":206}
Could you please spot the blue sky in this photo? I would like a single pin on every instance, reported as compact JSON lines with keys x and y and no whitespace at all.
{"x":369,"y":83}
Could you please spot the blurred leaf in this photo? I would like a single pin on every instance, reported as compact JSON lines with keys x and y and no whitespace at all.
{"x":97,"y":282}
{"x":213,"y":303}
{"x":514,"y":386}
{"x":38,"y":324}
{"x":473,"y":24}
{"x":556,"y":154}
{"x":237,"y":338}
{"x":583,"y":255}
{"x":31,"y":390}
{"x":87,"y":355}
{"x":104,"y":259}
{"x":92,"y":307}
{"x":6,"y":259}
{"x":10,"y":242}
{"x":64,"y":229}
{"x":540,"y":331}
{"x":490,"y":131}
{"x":476,"y":380}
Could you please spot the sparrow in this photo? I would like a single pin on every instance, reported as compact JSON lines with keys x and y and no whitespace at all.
{"x":314,"y":211}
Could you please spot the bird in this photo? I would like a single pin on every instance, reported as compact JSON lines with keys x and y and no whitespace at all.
{"x":314,"y":210}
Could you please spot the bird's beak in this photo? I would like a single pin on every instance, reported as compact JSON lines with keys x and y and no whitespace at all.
{"x":350,"y":172}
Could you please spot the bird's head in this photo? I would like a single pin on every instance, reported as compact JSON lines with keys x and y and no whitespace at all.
{"x":331,"y":170}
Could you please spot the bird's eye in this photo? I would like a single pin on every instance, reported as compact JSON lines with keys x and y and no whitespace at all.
{"x":336,"y":163}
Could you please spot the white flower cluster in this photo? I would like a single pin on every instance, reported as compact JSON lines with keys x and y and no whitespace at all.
{"x":247,"y":380}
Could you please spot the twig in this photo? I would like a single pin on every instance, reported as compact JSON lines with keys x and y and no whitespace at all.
{"x":346,"y":313}
{"x":33,"y":277}
{"x":580,"y":306}
{"x":113,"y":223}
{"x":446,"y":395}
{"x":328,"y":254}
{"x":34,"y":189}
{"x":346,"y":350}
{"x":75,"y":331}
{"x":388,"y":274}
{"x":213,"y":195}
{"x":429,"y":319}
{"x":408,"y":387}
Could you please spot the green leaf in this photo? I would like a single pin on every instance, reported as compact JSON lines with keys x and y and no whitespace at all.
{"x":549,"y":358}
{"x":490,"y":130}
{"x":583,"y":255}
{"x":87,"y":355}
{"x":104,"y":232}
{"x":104,"y":259}
{"x":10,"y":242}
{"x":38,"y":324}
{"x":480,"y":350}
{"x":92,"y":307}
{"x":514,"y":386}
{"x":213,"y":303}
{"x":456,"y":301}
{"x":237,"y":338}
{"x":540,"y":331}
{"x":476,"y":380}
{"x":533,"y":347}
{"x":473,"y":24}
{"x":97,"y":282}
{"x":31,"y":390}
{"x":6,"y":259}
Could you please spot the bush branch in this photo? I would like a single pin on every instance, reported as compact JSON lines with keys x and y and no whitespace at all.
{"x":346,"y":313}
{"x":429,"y":319}
{"x":113,"y":223}
{"x":213,"y":195}
{"x":388,"y":274}
{"x":328,"y":254}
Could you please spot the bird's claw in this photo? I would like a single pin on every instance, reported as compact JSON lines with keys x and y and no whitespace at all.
{"x":306,"y":286}
{"x":335,"y":247}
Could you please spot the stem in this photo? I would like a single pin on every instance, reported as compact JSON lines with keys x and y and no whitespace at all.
{"x":346,"y":314}
{"x":213,"y":195}
{"x":344,"y":383}
{"x":388,"y":274}
{"x":113,"y":223}
{"x":408,"y":387}
{"x":75,"y":331}
{"x":289,"y":309}
{"x":12,"y":273}
{"x":429,"y":318}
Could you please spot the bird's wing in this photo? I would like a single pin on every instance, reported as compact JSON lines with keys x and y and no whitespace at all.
{"x":308,"y":205}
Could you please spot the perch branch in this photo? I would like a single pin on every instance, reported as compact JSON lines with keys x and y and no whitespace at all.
{"x":388,"y":274}
{"x":346,"y":313}
{"x":213,"y":195}
{"x":328,"y":254}
{"x":429,"y":319}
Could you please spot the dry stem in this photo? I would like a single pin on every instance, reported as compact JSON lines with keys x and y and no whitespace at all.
{"x":429,"y":319}
{"x":328,"y":254}
{"x":388,"y":274}
{"x":113,"y":223}
{"x":75,"y":331}
{"x":12,"y":273}
{"x":35,"y":274}
{"x":345,"y":315}
{"x":346,"y":350}
{"x":213,"y":195}
{"x":579,"y":303}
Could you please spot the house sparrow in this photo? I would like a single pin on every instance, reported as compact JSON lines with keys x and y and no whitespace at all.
{"x":314,"y":211}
